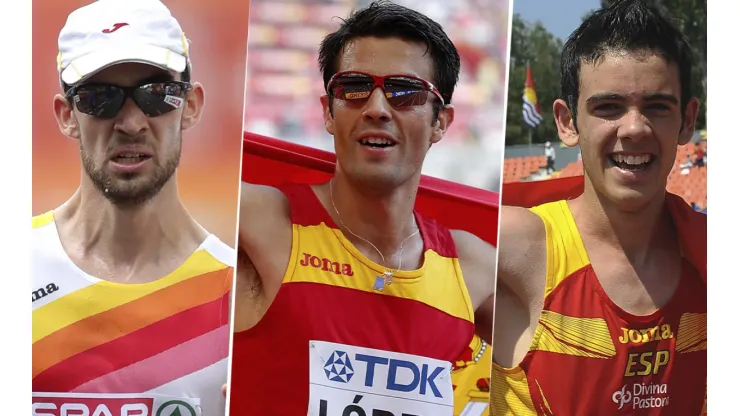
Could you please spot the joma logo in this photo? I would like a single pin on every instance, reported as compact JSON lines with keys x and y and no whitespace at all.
{"x":43,"y":292}
{"x":326,"y":265}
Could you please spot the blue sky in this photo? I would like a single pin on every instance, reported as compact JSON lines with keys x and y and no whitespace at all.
{"x":560,"y":17}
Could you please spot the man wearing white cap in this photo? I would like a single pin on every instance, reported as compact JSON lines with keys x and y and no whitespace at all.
{"x":130,"y":294}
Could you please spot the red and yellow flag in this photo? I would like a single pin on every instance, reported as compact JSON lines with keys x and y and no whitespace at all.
{"x":531,"y":107}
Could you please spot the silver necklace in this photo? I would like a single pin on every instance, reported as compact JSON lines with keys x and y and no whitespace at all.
{"x":387,"y":277}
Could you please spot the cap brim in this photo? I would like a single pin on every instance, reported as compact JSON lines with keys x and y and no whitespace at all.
{"x":94,"y":62}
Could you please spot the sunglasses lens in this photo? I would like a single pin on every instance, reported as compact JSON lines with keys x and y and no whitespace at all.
{"x":160,"y":98}
{"x":352,"y":87}
{"x":102,"y":101}
{"x":405,"y":92}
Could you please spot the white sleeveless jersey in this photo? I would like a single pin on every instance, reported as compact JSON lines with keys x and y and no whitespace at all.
{"x":103,"y":348}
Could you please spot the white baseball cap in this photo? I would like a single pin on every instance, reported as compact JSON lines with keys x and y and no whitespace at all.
{"x":110,"y":32}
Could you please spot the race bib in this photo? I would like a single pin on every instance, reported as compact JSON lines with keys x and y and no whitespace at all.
{"x":352,"y":381}
{"x":105,"y":404}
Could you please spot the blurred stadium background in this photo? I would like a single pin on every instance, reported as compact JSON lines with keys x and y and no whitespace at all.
{"x":538,"y":34}
{"x":284,"y":83}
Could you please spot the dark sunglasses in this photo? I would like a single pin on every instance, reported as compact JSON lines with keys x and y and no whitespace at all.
{"x":400,"y":90}
{"x":105,"y":100}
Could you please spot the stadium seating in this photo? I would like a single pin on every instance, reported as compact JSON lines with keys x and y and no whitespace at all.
{"x":520,"y":168}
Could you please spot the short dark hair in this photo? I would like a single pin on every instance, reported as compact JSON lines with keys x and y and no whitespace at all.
{"x":384,"y":19}
{"x":626,"y":25}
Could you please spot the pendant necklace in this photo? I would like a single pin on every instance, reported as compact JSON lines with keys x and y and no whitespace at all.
{"x":387,"y":277}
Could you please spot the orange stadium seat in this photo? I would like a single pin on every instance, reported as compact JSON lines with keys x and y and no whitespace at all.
{"x":517,"y":169}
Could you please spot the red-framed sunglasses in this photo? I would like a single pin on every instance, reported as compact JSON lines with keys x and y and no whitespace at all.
{"x":400,"y":90}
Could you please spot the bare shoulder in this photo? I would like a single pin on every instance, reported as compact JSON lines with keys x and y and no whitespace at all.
{"x":478,"y":263}
{"x":471,"y":247}
{"x":255,"y":198}
{"x":520,"y":221}
{"x":261,"y":208}
{"x":519,"y":229}
{"x":522,"y":252}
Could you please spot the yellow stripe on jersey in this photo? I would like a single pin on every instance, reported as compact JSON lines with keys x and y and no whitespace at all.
{"x":561,"y":334}
{"x":544,"y":399}
{"x":565,"y":251}
{"x":327,"y":257}
{"x":510,"y":393}
{"x":51,"y":317}
{"x":43,"y":219}
{"x":692,"y":333}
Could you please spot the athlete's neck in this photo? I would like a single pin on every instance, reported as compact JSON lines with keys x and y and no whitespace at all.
{"x":385,"y":219}
{"x":130,"y":238}
{"x":638,"y":233}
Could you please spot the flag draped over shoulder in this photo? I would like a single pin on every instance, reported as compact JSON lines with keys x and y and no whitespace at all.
{"x":268,"y":161}
{"x":531,"y":107}
{"x":533,"y":193}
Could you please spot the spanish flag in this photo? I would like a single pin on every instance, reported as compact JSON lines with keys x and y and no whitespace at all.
{"x":531,"y":108}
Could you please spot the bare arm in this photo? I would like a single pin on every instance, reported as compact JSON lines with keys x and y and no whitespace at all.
{"x":522,"y":258}
{"x":478,"y":263}
{"x":520,"y":283}
{"x":265,"y":238}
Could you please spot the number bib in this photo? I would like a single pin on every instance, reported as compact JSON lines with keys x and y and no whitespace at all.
{"x":347,"y":380}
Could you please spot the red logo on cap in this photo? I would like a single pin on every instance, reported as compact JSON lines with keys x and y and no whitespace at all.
{"x":115,"y":27}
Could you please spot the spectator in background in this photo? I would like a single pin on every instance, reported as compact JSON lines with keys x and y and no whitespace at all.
{"x":699,"y":161}
{"x":550,"y":154}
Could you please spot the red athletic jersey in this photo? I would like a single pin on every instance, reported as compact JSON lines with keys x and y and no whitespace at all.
{"x":328,"y":297}
{"x":590,"y":357}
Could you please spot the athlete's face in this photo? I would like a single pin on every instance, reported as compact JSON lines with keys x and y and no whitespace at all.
{"x":409,"y":130}
{"x":629,"y":125}
{"x":130,"y":157}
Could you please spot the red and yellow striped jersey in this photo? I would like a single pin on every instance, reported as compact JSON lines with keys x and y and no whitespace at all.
{"x":588,"y":356}
{"x":158,"y":346}
{"x":330,"y":341}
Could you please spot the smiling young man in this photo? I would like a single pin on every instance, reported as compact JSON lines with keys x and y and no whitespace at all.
{"x":346,"y":297}
{"x":131,"y":294}
{"x":602,"y":298}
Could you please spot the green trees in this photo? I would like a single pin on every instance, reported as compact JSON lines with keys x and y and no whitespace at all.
{"x":533,"y":44}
